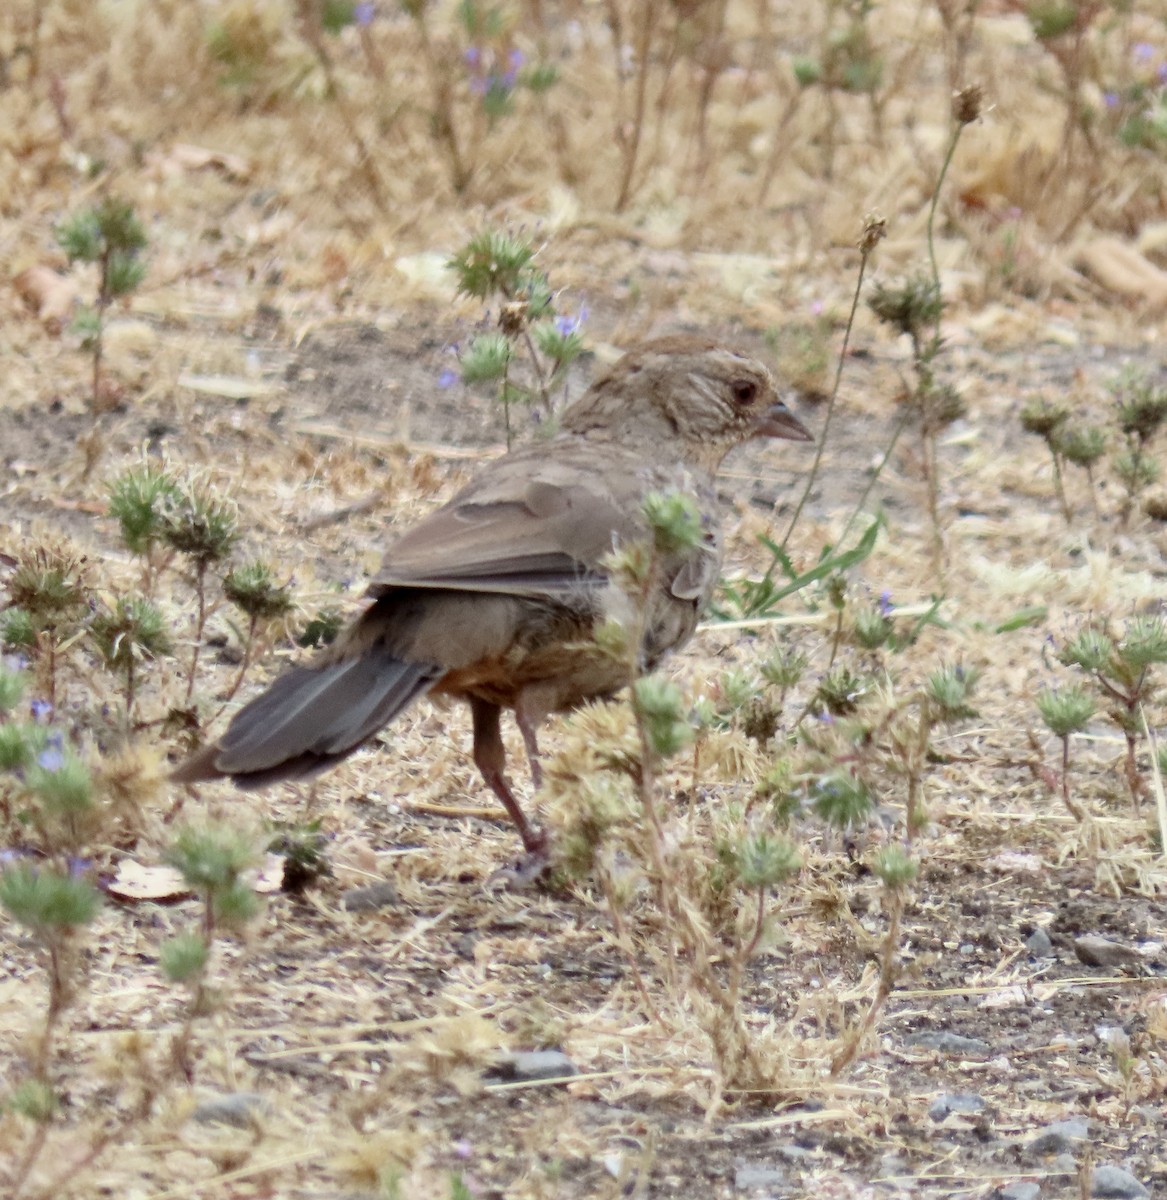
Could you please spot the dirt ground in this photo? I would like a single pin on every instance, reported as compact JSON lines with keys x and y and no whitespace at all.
{"x":288,"y":346}
{"x":367,"y":1035}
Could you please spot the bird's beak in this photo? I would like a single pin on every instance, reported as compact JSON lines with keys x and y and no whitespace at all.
{"x":779,"y":422}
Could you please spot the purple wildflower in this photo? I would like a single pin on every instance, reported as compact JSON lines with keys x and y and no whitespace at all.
{"x":51,"y":760}
{"x":448,"y":378}
{"x":364,"y":13}
{"x":565,"y":326}
{"x":506,"y":80}
{"x":1161,"y":72}
{"x":40,"y":710}
{"x":886,"y":608}
{"x":516,"y":59}
{"x":1143,"y":51}
{"x":1110,"y":99}
{"x":473,"y":56}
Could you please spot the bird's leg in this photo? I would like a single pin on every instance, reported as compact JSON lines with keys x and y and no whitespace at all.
{"x":528,"y":724}
{"x":490,"y":759}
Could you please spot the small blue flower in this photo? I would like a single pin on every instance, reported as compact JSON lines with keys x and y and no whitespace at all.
{"x":15,"y":662}
{"x":473,"y":56}
{"x":41,"y":710}
{"x":1143,"y":51}
{"x":79,"y":867}
{"x":565,"y":326}
{"x":886,"y":608}
{"x":516,"y":58}
{"x":1161,"y":72}
{"x":448,"y":378}
{"x":51,"y":760}
{"x":506,"y":80}
{"x":1110,"y":99}
{"x":364,"y":13}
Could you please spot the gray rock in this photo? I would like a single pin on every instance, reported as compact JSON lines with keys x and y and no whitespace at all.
{"x":1021,"y":1190}
{"x":1039,"y":945}
{"x":239,"y":1109}
{"x":892,"y":1165}
{"x":1062,"y":1137}
{"x":749,"y":1176}
{"x":792,"y":1152}
{"x":1102,"y":952}
{"x":948,"y":1043}
{"x":1113,"y":1181}
{"x":535,"y":1064}
{"x":955,"y":1102}
{"x":369,"y":898}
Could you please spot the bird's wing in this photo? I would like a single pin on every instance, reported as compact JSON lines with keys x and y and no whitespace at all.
{"x":523,"y":528}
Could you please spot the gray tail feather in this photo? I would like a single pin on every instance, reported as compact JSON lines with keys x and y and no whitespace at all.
{"x":309,"y":718}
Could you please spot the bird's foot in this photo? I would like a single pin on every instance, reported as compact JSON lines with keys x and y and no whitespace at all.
{"x":531,"y":870}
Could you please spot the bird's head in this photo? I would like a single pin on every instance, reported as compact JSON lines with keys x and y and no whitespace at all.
{"x":689,"y":397}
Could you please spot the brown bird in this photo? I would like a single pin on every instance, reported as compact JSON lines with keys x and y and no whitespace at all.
{"x":496,"y":596}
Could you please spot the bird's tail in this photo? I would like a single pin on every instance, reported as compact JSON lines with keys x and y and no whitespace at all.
{"x":309,"y":718}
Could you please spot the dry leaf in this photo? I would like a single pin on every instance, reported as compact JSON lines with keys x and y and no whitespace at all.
{"x":51,"y":295}
{"x":231,"y":387}
{"x":137,"y":882}
{"x":182,"y":156}
{"x":1119,"y":267}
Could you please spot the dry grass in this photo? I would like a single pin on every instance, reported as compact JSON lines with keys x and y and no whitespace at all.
{"x":274,"y":247}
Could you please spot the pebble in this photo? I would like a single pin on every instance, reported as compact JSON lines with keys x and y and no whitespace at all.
{"x":528,"y":1065}
{"x":955,"y":1102}
{"x":369,"y":898}
{"x":1102,"y":952}
{"x":1116,"y":1183}
{"x":1061,"y":1137}
{"x":892,"y":1165}
{"x":1039,"y":945}
{"x":948,"y":1043}
{"x":239,"y":1109}
{"x":750,"y":1176}
{"x":794,"y":1153}
{"x":1023,"y":1189}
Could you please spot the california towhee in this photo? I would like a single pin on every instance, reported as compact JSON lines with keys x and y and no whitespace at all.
{"x":496,"y":596}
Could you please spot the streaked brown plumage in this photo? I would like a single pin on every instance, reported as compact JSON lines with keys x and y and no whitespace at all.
{"x":495,"y":597}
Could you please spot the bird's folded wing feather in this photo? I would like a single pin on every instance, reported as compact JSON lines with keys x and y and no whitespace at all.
{"x":529,"y":532}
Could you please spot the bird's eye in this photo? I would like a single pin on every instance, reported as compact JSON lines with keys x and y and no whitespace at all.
{"x":745,"y":392}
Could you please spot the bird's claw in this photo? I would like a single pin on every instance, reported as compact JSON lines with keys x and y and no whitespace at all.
{"x":530,"y":871}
